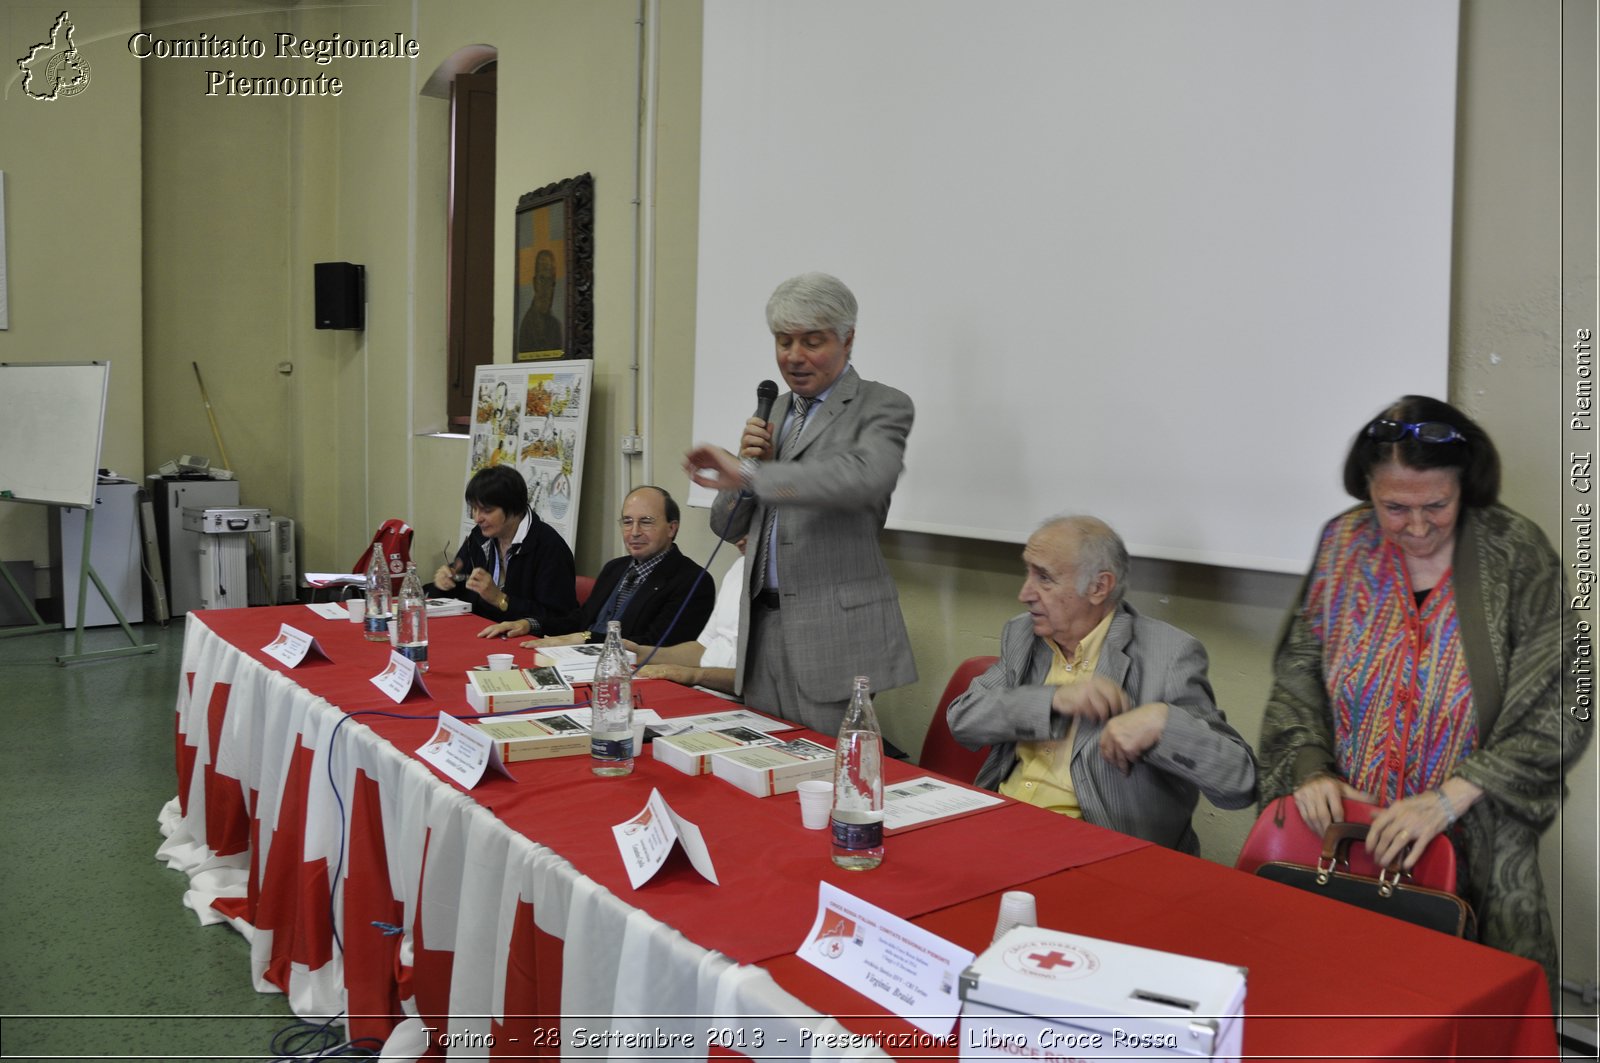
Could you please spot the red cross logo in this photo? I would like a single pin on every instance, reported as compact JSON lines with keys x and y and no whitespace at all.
{"x":1052,"y":960}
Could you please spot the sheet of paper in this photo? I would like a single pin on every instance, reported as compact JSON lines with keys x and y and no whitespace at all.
{"x":293,"y":646}
{"x":925,"y":799}
{"x":461,"y":752}
{"x":400,"y":678}
{"x":881,"y":956}
{"x":329,"y":610}
{"x":335,"y":579}
{"x":716,"y":721}
{"x":646,"y":840}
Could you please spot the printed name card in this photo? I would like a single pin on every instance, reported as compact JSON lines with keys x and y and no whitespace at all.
{"x":647,"y":839}
{"x":293,"y":646}
{"x":400,"y":678}
{"x":881,"y":956}
{"x":461,"y":752}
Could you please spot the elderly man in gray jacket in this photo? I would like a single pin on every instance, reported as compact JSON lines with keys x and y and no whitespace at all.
{"x":1096,"y":711}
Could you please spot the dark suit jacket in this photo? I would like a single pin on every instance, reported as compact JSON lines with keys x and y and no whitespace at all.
{"x":1153,"y":661}
{"x":653,"y":605}
{"x":540,"y":580}
{"x":841,"y":611}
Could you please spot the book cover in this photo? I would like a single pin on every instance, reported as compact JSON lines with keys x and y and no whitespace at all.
{"x":775,"y":769}
{"x":516,"y":690}
{"x":691,"y":752}
{"x":537,"y":737}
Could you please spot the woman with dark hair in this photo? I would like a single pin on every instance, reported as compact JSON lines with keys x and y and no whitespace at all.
{"x":513,"y":565}
{"x":1422,"y":670}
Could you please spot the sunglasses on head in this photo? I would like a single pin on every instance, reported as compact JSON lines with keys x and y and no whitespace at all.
{"x":1387,"y":431}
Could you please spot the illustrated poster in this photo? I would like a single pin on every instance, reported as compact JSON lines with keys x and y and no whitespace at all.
{"x":535,"y":417}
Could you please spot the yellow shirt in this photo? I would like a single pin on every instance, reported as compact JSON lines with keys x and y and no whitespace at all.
{"x":1043,"y":773}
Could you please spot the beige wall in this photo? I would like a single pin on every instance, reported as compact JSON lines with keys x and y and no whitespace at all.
{"x":73,"y":232}
{"x":243,"y":196}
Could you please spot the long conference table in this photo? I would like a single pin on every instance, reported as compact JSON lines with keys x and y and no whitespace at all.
{"x":370,"y":887}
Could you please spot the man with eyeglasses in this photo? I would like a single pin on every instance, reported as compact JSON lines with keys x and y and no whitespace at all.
{"x":643,"y":589}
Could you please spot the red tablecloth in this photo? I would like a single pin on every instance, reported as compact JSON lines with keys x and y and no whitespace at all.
{"x":1325,"y":980}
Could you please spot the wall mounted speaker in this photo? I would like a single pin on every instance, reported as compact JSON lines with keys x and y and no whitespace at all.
{"x":341,"y":295}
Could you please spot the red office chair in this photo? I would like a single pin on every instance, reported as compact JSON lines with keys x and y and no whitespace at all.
{"x":584,"y":588}
{"x":940,"y":750}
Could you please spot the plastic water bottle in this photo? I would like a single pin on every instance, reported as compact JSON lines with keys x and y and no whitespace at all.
{"x":858,"y":785}
{"x":413,"y":637}
{"x":611,"y":711}
{"x":380,"y":598}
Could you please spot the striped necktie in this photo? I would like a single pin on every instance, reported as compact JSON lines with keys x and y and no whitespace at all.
{"x":799,"y":407}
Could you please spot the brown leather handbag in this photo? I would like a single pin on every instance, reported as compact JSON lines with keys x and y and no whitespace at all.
{"x":1391,"y":892}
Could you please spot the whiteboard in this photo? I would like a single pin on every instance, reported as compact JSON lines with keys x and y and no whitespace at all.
{"x":1151,"y":260}
{"x":52,"y":416}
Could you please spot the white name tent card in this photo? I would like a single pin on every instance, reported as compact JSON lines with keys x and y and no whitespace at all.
{"x":400,"y":678}
{"x":329,"y":610}
{"x":293,"y":646}
{"x":911,"y":972}
{"x":461,"y":752}
{"x":646,"y":841}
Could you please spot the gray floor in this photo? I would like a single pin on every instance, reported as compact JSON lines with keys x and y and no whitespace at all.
{"x":98,"y":957}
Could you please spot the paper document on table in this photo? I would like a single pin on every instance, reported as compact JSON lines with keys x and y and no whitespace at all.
{"x":329,"y":610}
{"x":335,"y":579}
{"x":925,"y":799}
{"x":716,"y":721}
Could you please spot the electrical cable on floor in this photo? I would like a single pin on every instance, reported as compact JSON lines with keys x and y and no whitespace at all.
{"x":308,"y":1040}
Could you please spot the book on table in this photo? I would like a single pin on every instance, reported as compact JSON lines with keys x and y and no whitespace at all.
{"x":517,"y":689}
{"x":537,"y":736}
{"x":691,"y":751}
{"x":775,"y":769}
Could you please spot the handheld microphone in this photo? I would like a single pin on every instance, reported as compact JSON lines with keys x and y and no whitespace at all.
{"x":766,"y":395}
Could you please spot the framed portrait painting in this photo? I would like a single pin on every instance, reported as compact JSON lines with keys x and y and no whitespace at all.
{"x":553,"y":314}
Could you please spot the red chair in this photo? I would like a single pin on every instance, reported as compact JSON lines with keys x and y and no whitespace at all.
{"x":393,"y":542}
{"x":940,"y":750}
{"x":585,"y":588}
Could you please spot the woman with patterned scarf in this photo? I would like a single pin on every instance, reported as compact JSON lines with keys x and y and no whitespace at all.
{"x":1422,"y":670}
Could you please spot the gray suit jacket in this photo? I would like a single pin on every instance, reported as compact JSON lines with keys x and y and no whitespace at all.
{"x":841,"y":612}
{"x":1153,"y":661}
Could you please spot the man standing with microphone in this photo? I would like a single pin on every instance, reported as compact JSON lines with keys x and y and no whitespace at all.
{"x":811,"y":489}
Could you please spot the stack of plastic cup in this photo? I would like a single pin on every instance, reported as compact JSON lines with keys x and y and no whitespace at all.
{"x":1017,"y":908}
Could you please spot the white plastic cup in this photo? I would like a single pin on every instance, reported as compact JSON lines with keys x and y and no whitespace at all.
{"x":1017,"y":908}
{"x":357,"y":608}
{"x":394,"y":633}
{"x":500,"y":662}
{"x":816,"y":803}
